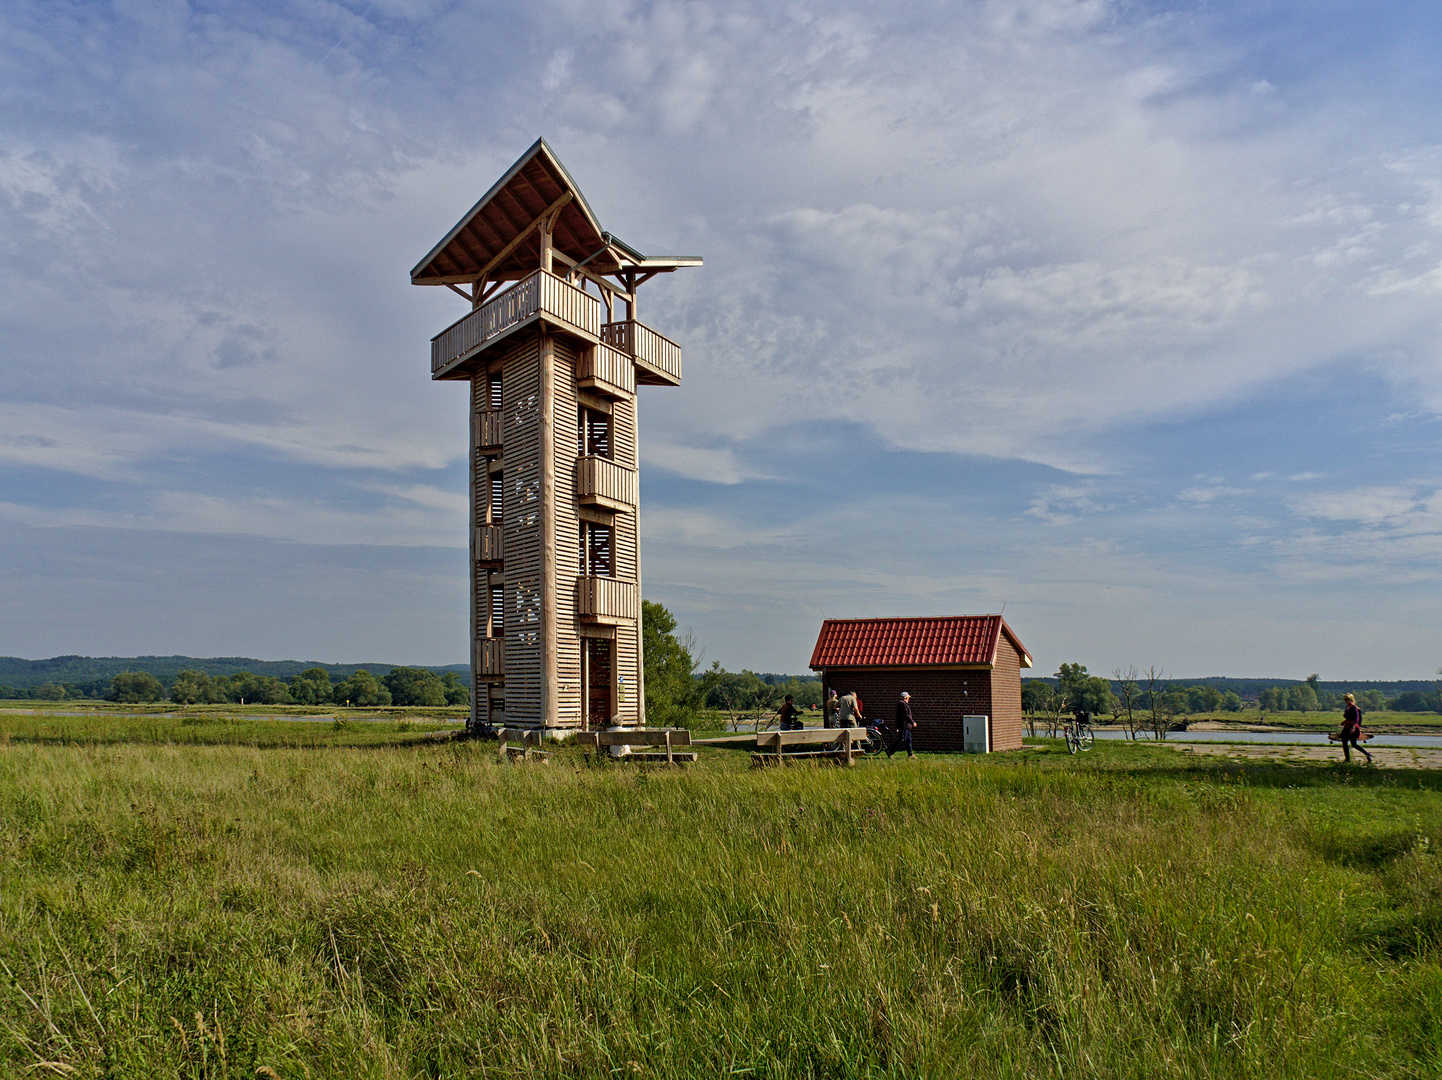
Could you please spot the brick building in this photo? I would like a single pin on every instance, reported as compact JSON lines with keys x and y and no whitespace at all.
{"x":960,"y":665}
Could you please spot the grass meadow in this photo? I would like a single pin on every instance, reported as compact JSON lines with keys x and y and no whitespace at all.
{"x":259,"y":909}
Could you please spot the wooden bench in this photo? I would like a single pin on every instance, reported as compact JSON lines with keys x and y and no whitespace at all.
{"x":847,"y":738}
{"x":527,"y":737}
{"x":667,"y":737}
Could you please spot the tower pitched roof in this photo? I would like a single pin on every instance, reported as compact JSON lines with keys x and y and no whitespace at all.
{"x":489,"y":238}
{"x":953,"y":639}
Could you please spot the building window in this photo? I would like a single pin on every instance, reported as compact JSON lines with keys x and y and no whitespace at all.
{"x":498,"y":489}
{"x":595,"y":551}
{"x":498,"y":610}
{"x":593,"y":433}
{"x":495,"y":390}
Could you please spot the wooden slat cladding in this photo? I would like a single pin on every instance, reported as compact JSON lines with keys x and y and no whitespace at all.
{"x":608,"y":597}
{"x":570,"y":693}
{"x":628,"y":656}
{"x":624,"y":454}
{"x":606,"y":371}
{"x":657,"y":356}
{"x":539,"y":293}
{"x":604,"y":483}
{"x":520,"y":373}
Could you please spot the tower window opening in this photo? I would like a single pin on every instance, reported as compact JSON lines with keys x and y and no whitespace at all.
{"x":595,"y":551}
{"x":593,"y":433}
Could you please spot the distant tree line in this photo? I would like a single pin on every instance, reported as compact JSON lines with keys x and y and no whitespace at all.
{"x":1148,"y":701}
{"x":400,"y":686}
{"x":677,"y":690}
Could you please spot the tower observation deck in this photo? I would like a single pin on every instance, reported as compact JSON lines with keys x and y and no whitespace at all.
{"x":553,"y":352}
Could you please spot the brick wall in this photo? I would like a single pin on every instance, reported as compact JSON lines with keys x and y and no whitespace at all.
{"x":939,"y":699}
{"x":1006,"y":718}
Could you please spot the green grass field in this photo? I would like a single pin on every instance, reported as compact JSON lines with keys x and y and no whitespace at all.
{"x":259,"y":910}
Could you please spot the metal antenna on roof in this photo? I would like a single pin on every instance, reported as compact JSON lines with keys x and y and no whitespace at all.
{"x":1003,"y":607}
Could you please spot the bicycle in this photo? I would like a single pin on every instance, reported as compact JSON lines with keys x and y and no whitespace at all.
{"x":1078,"y":735}
{"x":873,"y":743}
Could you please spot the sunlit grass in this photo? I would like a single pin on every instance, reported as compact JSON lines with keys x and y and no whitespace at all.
{"x":219,"y":910}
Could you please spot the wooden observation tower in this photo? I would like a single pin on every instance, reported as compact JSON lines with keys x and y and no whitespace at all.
{"x":553,"y":352}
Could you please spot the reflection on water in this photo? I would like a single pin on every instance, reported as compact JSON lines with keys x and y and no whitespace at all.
{"x":1295,"y":738}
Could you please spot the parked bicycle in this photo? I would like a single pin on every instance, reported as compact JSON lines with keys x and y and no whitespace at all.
{"x":1079,"y":733}
{"x":873,"y":743}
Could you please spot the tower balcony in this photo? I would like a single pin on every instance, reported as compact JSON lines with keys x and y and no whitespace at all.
{"x":486,"y":432}
{"x":607,"y":600}
{"x":491,"y":656}
{"x":539,"y":297}
{"x":607,"y":372}
{"x":658,"y":358}
{"x":600,"y":482}
{"x":489,"y":545}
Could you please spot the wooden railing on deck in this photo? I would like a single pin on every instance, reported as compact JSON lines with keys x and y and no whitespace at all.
{"x":653,"y":350}
{"x":608,"y":371}
{"x":540,"y":292}
{"x":489,"y":547}
{"x":608,"y":597}
{"x":597,"y":476}
{"x":491,"y":656}
{"x":486,"y":430}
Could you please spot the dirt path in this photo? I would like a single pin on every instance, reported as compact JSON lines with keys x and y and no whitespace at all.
{"x":1397,"y":757}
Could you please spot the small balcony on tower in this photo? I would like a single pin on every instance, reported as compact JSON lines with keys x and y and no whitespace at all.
{"x":658,"y":358}
{"x":607,"y":372}
{"x":605,"y":485}
{"x":539,"y":297}
{"x":607,"y":600}
{"x":490,"y":547}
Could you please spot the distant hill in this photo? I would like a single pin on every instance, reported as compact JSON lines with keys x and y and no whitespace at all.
{"x":79,"y":670}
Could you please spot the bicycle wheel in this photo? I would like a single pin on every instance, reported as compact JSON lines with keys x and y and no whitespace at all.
{"x":1073,"y":741}
{"x":1086,"y":738}
{"x":872,"y":744}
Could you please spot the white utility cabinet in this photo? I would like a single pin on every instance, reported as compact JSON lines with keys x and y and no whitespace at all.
{"x":976,"y":734}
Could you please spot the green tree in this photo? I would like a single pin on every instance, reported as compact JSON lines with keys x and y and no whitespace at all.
{"x":673,"y":694}
{"x":190,"y":687}
{"x":133,"y":687}
{"x":49,"y":692}
{"x":1034,"y":694}
{"x":311,"y":687}
{"x":1082,"y":691}
{"x":362,"y":688}
{"x":457,"y":692}
{"x":1231,"y":701}
{"x":414,"y":686}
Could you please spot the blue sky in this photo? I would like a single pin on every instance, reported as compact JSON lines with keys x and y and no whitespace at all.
{"x":1122,"y":315}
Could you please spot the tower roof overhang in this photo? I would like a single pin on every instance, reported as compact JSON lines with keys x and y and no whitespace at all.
{"x":491,"y":240}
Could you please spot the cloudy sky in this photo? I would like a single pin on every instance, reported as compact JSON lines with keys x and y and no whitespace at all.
{"x":1123,"y":315}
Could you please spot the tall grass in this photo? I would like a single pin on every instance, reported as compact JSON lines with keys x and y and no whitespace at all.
{"x":230,"y":911}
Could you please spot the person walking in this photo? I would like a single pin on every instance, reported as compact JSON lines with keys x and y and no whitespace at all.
{"x":905,"y":724}
{"x":1352,"y":730}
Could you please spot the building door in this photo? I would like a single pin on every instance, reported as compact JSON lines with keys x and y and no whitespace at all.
{"x":598,"y":683}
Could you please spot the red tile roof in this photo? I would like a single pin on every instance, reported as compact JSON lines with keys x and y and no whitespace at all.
{"x":954,"y":639}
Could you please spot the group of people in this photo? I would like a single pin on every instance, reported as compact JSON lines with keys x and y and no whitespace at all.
{"x":845,"y":710}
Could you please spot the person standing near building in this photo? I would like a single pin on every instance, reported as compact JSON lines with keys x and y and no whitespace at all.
{"x":828,"y":710}
{"x":847,"y":714}
{"x":905,"y":724}
{"x":1352,"y":729}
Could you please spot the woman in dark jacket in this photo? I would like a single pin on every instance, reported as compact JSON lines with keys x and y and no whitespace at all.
{"x":1351,"y":729}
